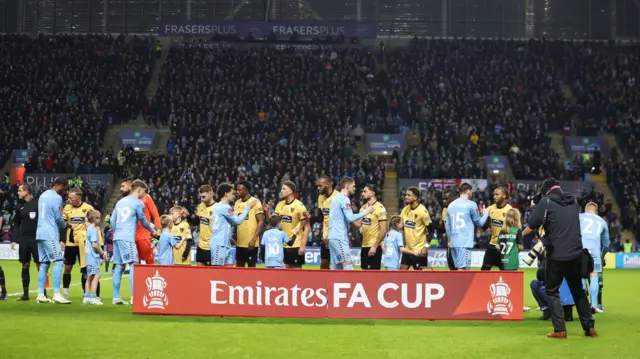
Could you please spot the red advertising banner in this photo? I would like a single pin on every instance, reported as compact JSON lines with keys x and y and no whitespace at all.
{"x":246,"y":292}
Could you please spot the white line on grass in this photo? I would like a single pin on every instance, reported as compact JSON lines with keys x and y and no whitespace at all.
{"x":72,"y":285}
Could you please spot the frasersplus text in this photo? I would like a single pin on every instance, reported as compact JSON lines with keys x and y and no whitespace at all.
{"x":328,"y":294}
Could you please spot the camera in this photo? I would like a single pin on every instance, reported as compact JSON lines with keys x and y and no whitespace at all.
{"x":537,"y":250}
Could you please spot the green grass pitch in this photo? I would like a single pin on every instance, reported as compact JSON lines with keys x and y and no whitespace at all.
{"x":31,"y":330}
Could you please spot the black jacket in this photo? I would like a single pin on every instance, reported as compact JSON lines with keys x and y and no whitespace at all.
{"x":25,"y":221}
{"x":559,"y":215}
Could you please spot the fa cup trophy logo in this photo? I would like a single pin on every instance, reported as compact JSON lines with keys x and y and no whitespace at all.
{"x":500,"y":303}
{"x":155,"y":298}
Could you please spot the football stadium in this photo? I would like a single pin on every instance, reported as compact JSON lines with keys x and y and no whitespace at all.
{"x":320,"y":179}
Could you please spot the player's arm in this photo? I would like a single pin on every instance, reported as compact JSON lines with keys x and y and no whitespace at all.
{"x":177,"y":245}
{"x":349,"y":215}
{"x":384,"y":227}
{"x":114,"y":219}
{"x":604,"y":237}
{"x":58,"y":214}
{"x":288,"y":241}
{"x":306,"y":228}
{"x":475,"y":217}
{"x":232,"y":218}
{"x":260,"y":220}
{"x":142,"y":219}
{"x":153,"y":210}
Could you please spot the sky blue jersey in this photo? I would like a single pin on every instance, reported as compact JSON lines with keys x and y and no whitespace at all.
{"x":165,"y":247}
{"x":595,"y":233}
{"x":222,"y":218}
{"x":340,"y":216}
{"x":91,"y":254}
{"x":392,"y":243}
{"x":273,"y":241}
{"x":124,"y":219}
{"x":462,"y":220}
{"x":50,"y":219}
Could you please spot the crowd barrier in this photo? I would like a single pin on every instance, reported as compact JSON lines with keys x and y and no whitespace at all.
{"x":251,"y":292}
{"x":437,"y":257}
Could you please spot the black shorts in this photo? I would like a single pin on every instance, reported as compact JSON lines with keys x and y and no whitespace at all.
{"x":70,"y":255}
{"x":247,"y":255}
{"x":492,"y":258}
{"x":324,"y":252}
{"x":291,"y":257}
{"x":28,"y":250}
{"x":367,"y":262}
{"x":450,"y":263}
{"x":413,"y":261}
{"x":203,"y":256}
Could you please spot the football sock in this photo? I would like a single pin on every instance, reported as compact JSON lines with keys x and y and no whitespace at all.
{"x":26,"y":279}
{"x":57,"y":274}
{"x":42,"y":277}
{"x":594,"y":289}
{"x":117,"y":277}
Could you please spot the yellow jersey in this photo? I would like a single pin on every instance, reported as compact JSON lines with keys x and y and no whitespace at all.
{"x":204,"y":213}
{"x":497,"y":221}
{"x":324,"y":203}
{"x":246,"y":229}
{"x":371,"y":224}
{"x":444,"y":215}
{"x":293,"y":214}
{"x":179,"y":231}
{"x":415,"y":223}
{"x":76,"y":216}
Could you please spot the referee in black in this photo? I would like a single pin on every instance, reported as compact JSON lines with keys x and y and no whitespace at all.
{"x":558,"y":213}
{"x":25,"y":223}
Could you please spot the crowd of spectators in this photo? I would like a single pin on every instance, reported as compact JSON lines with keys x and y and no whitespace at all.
{"x":471,"y":98}
{"x":262,"y":115}
{"x":59,"y":93}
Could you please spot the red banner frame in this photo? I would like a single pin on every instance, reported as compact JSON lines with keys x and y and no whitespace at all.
{"x":250,"y":292}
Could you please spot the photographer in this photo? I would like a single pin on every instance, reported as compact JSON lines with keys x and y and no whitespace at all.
{"x":557,"y":213}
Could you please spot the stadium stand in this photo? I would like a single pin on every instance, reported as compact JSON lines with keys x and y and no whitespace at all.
{"x":471,"y":98}
{"x":64,"y":91}
{"x":267,"y":114}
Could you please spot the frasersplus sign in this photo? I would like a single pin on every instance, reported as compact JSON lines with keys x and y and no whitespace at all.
{"x":138,"y":139}
{"x":377,"y":142}
{"x":277,"y":46}
{"x":423,"y":184}
{"x":249,"y":292}
{"x":574,"y":187}
{"x":45,"y":180}
{"x":176,"y":26}
{"x":581,"y":144}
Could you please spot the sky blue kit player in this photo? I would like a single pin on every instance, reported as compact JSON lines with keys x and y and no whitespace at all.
{"x":222,"y":219}
{"x":50,"y":222}
{"x":393,"y":242}
{"x":595,"y":238}
{"x":124,"y":220}
{"x":462,"y":220}
{"x":165,"y":247}
{"x":273,"y":241}
{"x":340,"y":216}
{"x":91,"y":254}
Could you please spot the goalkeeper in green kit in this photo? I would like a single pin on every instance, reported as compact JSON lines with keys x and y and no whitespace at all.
{"x":510,"y":240}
